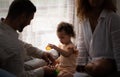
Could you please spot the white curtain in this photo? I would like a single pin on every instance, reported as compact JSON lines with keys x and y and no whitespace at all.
{"x":42,"y":29}
{"x":4,"y":4}
{"x":50,"y":13}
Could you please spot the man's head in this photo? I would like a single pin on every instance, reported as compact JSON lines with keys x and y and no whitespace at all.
{"x":23,"y":11}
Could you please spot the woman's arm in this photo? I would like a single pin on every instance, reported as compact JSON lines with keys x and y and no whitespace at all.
{"x":115,"y":37}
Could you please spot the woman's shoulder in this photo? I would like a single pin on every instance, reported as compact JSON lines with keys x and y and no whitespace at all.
{"x":114,"y":15}
{"x":113,"y":20}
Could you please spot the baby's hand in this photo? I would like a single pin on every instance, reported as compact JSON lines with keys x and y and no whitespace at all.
{"x":52,"y":63}
{"x":52,"y":46}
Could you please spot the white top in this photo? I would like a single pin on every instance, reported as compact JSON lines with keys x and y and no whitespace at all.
{"x":13,"y":51}
{"x":104,"y":42}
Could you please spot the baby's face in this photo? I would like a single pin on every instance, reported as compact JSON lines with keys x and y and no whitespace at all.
{"x":63,"y":37}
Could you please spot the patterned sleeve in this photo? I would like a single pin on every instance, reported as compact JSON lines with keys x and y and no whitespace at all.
{"x":115,"y":34}
{"x":82,"y":54}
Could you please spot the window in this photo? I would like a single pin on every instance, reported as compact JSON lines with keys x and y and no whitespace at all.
{"x":42,"y":29}
{"x":4,"y":4}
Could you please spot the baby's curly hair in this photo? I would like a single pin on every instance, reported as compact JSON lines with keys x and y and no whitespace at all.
{"x":67,"y":28}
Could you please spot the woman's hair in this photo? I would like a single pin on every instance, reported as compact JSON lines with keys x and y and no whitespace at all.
{"x":67,"y":28}
{"x":18,"y":7}
{"x":83,"y":7}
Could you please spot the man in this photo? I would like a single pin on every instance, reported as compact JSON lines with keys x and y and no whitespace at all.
{"x":13,"y":50}
{"x":4,"y":73}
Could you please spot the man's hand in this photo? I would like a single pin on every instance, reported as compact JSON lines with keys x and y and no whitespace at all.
{"x":48,"y":57}
{"x":49,"y":71}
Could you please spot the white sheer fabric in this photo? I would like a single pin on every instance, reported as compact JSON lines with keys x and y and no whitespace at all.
{"x":42,"y":29}
{"x":4,"y":4}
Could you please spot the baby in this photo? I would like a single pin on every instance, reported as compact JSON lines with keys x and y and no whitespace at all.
{"x":66,"y":62}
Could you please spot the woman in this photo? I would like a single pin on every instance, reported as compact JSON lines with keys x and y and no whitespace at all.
{"x":98,"y":40}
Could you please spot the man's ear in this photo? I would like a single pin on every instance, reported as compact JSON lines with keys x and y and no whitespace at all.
{"x":22,"y":17}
